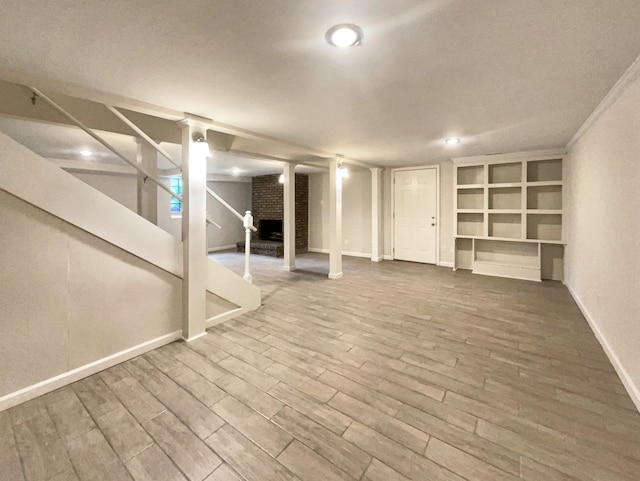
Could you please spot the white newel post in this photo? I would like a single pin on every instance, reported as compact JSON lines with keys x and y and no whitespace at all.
{"x":194,"y":232}
{"x":247,"y":222}
{"x":289,"y":217}
{"x":335,"y":221}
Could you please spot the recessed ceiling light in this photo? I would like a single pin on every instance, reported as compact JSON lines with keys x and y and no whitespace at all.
{"x":235,"y":171}
{"x":344,"y":35}
{"x":452,"y":141}
{"x":85,"y":153}
{"x":281,"y":179}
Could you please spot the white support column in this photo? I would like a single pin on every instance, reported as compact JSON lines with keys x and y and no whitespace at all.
{"x":194,"y":234}
{"x":289,"y":217}
{"x":335,"y":221}
{"x":376,"y":215}
{"x":147,"y":191}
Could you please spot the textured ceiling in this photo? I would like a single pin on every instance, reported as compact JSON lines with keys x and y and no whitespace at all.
{"x":504,"y":75}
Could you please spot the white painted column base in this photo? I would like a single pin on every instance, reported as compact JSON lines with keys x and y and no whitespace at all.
{"x":289,"y":268}
{"x":335,"y":275}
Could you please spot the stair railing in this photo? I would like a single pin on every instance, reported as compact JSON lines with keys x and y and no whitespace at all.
{"x":247,"y":223}
{"x":78,"y":123}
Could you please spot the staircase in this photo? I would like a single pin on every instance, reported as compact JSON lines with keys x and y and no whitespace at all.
{"x":85,"y":283}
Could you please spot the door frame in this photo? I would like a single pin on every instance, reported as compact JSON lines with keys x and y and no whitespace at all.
{"x":436,"y":167}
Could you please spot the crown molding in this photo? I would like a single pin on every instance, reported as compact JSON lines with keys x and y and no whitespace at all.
{"x":632,"y":73}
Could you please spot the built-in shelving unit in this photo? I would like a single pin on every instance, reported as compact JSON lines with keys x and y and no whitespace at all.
{"x":508,"y":213}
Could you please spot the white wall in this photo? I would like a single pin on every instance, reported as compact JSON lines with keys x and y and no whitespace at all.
{"x":356,"y":212}
{"x":122,"y":188}
{"x":602,"y":258}
{"x":68,"y":298}
{"x":238,"y":195}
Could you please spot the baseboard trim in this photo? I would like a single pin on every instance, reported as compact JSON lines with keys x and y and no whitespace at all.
{"x":344,"y":253}
{"x":337,"y":275}
{"x":629,"y":385}
{"x":193,"y":338}
{"x":51,"y":384}
{"x":225,"y":316}
{"x":377,"y":259}
{"x":446,"y":264}
{"x":387,"y":257}
{"x":221,"y":248}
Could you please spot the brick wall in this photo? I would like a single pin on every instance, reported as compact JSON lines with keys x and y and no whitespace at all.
{"x":267,"y":199}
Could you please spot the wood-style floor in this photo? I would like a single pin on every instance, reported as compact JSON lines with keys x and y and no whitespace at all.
{"x":396,"y":372}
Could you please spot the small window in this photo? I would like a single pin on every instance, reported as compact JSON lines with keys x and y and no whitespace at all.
{"x":176,"y":205}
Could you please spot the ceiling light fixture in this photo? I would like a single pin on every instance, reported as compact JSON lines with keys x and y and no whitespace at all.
{"x":452,"y":141}
{"x":200,"y":144}
{"x":344,"y":35}
{"x":343,"y":172}
{"x":281,"y":179}
{"x":235,"y":171}
{"x":85,"y":153}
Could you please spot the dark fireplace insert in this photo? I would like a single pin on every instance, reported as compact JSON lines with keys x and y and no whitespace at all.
{"x":271,"y":230}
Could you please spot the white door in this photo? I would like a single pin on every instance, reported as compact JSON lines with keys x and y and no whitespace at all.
{"x":415,"y":215}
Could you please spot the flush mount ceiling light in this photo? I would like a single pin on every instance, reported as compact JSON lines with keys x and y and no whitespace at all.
{"x":85,"y":153}
{"x":452,"y":141}
{"x":344,"y":35}
{"x":281,"y":179}
{"x":200,"y":144}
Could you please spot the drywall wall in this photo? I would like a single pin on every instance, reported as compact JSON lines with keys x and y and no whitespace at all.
{"x":356,"y":212}
{"x":602,"y":266}
{"x":238,"y":195}
{"x":68,"y":298}
{"x":122,"y":189}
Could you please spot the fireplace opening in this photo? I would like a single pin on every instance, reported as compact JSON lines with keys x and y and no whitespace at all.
{"x":271,"y":230}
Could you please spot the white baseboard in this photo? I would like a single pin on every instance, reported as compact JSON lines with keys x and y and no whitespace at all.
{"x":376,"y":259}
{"x":344,"y":253}
{"x":225,"y":316}
{"x":48,"y":385}
{"x":387,"y":257}
{"x":446,"y":264}
{"x":221,"y":248}
{"x":630,"y":386}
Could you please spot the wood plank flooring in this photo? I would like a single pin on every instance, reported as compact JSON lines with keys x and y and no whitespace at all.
{"x":396,"y":372}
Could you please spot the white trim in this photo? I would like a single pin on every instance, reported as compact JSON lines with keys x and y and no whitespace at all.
{"x":393,"y":206}
{"x":344,"y":253}
{"x":510,"y":157}
{"x":193,"y":338}
{"x":377,"y":259}
{"x":337,"y":275}
{"x":388,"y":257}
{"x":225,"y":316}
{"x":631,"y":74}
{"x":221,"y":248}
{"x":446,"y":264}
{"x":632,"y":389}
{"x":51,"y":384}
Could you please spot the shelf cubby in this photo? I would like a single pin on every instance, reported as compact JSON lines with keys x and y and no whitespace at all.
{"x":471,"y":198}
{"x":464,"y":253}
{"x":544,"y":227}
{"x":508,"y":226}
{"x":544,"y":197}
{"x":471,"y":175}
{"x":505,"y":198}
{"x":544,"y":170}
{"x":505,"y":173}
{"x":470,"y":224}
{"x":521,"y":254}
